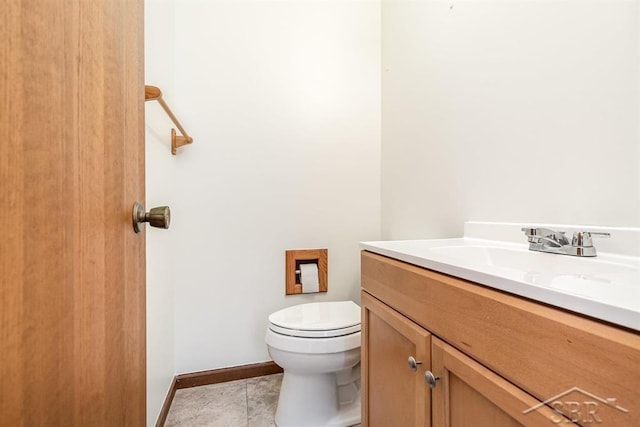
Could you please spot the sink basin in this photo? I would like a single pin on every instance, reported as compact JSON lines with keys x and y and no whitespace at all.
{"x":606,"y":287}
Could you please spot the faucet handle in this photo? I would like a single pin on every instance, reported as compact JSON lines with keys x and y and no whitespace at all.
{"x":584,"y":238}
{"x":539,"y":231}
{"x":552,"y":237}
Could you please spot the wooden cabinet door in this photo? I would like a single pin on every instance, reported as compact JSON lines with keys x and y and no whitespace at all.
{"x":393,"y":394}
{"x":469,"y":394}
{"x":72,"y":271}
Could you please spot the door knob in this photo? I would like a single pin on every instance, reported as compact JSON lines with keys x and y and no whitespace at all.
{"x":413,"y":363}
{"x":159,"y":217}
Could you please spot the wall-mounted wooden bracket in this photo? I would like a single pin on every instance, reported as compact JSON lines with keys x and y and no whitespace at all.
{"x":152,"y":93}
{"x":178,"y":141}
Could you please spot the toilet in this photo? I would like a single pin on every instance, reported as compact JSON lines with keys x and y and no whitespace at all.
{"x":318,"y":347}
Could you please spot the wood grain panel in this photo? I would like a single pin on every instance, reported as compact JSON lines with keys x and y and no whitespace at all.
{"x":468,"y":394}
{"x":541,"y":349}
{"x":393,"y":394}
{"x":12,"y":245}
{"x":472,"y":409}
{"x":72,"y":296}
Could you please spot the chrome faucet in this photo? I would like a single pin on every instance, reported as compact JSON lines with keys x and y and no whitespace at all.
{"x":556,"y":242}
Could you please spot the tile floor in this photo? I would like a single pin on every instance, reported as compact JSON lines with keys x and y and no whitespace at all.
{"x":243,"y":403}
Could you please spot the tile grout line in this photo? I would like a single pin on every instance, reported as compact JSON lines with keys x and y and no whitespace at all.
{"x":246,"y":395}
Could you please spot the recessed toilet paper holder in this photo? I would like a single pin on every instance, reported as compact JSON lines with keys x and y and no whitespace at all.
{"x":299,"y":262}
{"x":294,"y":259}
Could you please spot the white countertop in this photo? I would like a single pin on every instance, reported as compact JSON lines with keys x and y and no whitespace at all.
{"x":605,"y":287}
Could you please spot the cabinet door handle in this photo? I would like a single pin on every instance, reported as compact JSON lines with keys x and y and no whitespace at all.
{"x":413,"y":363}
{"x":431,"y":379}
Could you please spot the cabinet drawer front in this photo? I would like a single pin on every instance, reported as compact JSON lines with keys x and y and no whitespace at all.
{"x":543,"y":350}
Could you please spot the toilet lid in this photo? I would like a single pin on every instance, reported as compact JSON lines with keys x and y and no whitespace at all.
{"x":317,"y":319}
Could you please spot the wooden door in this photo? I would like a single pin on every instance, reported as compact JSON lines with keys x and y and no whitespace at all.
{"x":469,"y":394}
{"x":393,"y":394}
{"x":72,"y":296}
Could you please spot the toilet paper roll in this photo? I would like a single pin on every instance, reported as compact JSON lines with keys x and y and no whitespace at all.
{"x":309,"y":278}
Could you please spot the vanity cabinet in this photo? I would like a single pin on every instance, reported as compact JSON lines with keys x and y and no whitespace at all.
{"x":501,"y":360}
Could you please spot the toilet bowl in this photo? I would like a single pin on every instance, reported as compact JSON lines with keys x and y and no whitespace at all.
{"x":318,"y":347}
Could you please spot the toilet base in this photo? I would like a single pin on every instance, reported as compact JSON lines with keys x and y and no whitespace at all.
{"x":312,"y":401}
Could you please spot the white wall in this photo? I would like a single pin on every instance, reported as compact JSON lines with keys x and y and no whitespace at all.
{"x":160,"y":191}
{"x":282,"y":99}
{"x":509,"y":111}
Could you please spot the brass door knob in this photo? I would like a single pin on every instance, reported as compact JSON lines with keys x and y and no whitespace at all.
{"x":159,"y":217}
